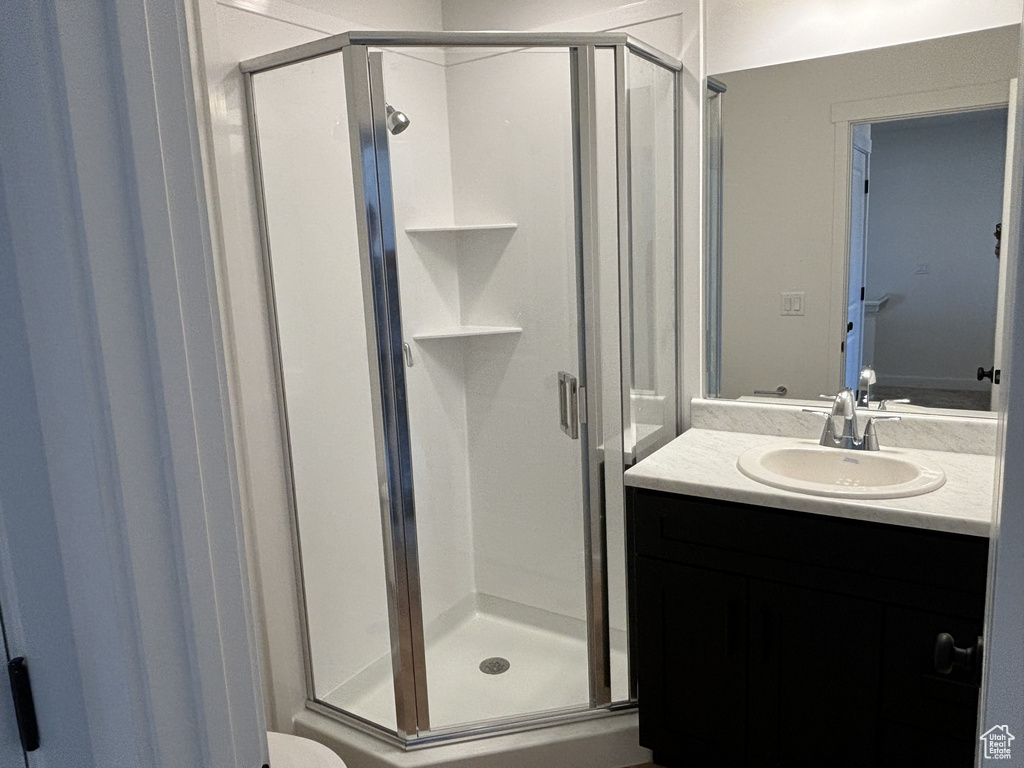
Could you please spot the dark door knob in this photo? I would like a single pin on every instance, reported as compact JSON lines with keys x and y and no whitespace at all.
{"x":992,"y":374}
{"x":948,"y":656}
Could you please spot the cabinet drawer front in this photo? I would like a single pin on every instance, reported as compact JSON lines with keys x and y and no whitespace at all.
{"x":668,"y":525}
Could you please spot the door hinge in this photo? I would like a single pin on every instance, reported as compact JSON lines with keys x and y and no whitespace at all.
{"x":867,"y":183}
{"x":24,"y":706}
{"x":862,"y":293}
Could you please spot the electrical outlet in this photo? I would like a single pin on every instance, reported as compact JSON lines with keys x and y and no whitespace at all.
{"x":793,"y":303}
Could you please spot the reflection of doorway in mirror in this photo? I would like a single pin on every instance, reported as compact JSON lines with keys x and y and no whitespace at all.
{"x":926,"y":318}
{"x":859,"y":347}
{"x":1005,"y":254}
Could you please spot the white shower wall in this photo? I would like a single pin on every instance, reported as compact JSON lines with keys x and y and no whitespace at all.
{"x":509,"y":118}
{"x":512,"y":160}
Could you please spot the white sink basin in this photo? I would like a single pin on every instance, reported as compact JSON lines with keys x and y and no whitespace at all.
{"x":819,"y":471}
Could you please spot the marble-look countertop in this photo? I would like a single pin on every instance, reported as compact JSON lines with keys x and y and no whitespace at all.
{"x":702,"y":462}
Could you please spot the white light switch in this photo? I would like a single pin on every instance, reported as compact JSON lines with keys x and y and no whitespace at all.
{"x":792,"y":303}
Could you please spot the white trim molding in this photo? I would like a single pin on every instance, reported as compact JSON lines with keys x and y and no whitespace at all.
{"x":294,"y":14}
{"x":962,"y":99}
{"x":629,"y":15}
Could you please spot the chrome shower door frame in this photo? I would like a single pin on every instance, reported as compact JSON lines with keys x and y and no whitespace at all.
{"x":376,"y":229}
{"x":585,"y":160}
{"x":364,"y":88}
{"x":715,"y":146}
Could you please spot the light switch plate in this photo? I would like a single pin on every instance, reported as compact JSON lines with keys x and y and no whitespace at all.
{"x":792,"y":303}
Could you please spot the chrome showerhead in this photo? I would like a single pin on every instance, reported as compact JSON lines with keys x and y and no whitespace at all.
{"x":396,"y":121}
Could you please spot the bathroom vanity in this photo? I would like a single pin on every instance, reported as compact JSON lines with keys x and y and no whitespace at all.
{"x":819,"y":602}
{"x":778,"y":628}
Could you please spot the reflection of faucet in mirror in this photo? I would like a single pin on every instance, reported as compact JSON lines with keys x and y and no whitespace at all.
{"x":883,"y":405}
{"x":846,"y":436}
{"x":867,"y":378}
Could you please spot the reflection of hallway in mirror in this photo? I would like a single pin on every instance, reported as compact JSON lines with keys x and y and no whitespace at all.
{"x":958,"y":399}
{"x":936,"y":192}
{"x":858,"y":351}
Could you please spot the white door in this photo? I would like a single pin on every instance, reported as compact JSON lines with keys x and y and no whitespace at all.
{"x":858,"y":252}
{"x":34,"y":595}
{"x":11,"y":753}
{"x":1005,"y":253}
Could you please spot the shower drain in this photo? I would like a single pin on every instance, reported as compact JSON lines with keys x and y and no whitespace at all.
{"x":494,"y":665}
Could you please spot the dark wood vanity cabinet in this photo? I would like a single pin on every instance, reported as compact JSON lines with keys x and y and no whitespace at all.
{"x":773,"y":638}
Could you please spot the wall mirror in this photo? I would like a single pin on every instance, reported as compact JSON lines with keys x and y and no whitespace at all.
{"x":853,"y":208}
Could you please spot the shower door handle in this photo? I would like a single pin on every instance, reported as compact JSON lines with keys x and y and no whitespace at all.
{"x":569,"y":404}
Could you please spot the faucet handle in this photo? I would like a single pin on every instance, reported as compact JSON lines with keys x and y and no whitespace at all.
{"x":828,"y":432}
{"x":870,"y":436}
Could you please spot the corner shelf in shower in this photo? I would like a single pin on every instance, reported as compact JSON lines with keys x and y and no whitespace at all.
{"x":456,"y":228}
{"x":467,"y":331}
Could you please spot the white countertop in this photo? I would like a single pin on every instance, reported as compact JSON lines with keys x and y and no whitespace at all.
{"x":702,"y":462}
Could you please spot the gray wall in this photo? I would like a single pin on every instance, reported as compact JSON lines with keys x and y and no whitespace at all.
{"x":936,"y":195}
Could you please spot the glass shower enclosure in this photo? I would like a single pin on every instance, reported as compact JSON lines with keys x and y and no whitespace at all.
{"x":470,"y":248}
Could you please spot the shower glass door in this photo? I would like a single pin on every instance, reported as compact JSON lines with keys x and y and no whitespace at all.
{"x":481,"y":154}
{"x":327,"y":377}
{"x":469,"y":253}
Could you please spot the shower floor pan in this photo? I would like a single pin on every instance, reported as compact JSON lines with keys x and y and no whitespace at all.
{"x":547,"y":667}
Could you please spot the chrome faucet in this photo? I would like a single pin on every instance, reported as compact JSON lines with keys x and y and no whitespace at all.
{"x":841,"y":424}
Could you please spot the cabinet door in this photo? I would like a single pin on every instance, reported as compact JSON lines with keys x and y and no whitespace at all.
{"x":691,"y":670}
{"x":815,"y":668}
{"x":921,"y":707}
